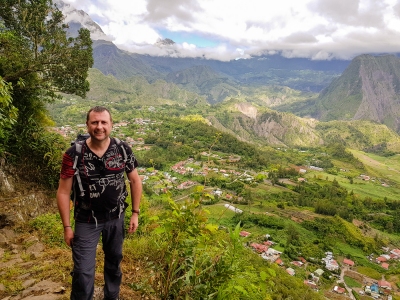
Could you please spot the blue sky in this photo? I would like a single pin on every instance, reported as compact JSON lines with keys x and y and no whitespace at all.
{"x":185,"y":37}
{"x":231,"y":29}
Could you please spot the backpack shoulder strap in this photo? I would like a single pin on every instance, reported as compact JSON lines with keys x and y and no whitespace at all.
{"x":78,"y":152}
{"x":121,"y":146}
{"x":77,"y":159}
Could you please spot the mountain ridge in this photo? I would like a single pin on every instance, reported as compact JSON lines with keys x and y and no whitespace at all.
{"x":369,"y":89}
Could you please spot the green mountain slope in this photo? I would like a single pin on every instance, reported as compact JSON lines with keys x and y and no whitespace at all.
{"x":253,"y":123}
{"x":265,"y":126}
{"x":138,"y":91}
{"x":369,"y":89}
{"x":360,"y":134}
{"x":121,"y":64}
{"x":205,"y":81}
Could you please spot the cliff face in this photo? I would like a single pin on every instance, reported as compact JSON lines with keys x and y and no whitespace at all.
{"x":251,"y":123}
{"x":369,"y":89}
{"x":270,"y":127}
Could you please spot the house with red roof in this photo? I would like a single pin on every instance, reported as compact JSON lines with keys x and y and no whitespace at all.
{"x":311,"y":284}
{"x":290,"y":271}
{"x":339,"y":290}
{"x":385,"y":266}
{"x":384,"y":284}
{"x":279,"y":262}
{"x":244,"y":233}
{"x":302,"y":259}
{"x":259,"y":247}
{"x":396,"y":252}
{"x":268,"y":243}
{"x":297,"y":263}
{"x":348,"y":262}
{"x":380,"y":259}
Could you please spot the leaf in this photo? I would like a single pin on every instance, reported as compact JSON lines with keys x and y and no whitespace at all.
{"x":159,"y":230}
{"x":211,"y":228}
{"x":263,"y":275}
{"x":271,"y":272}
{"x":241,"y":289}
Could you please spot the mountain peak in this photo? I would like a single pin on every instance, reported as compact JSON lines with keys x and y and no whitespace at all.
{"x":165,"y":42}
{"x":76,"y":19}
{"x":369,"y":89}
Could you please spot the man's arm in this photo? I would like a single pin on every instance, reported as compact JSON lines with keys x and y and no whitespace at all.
{"x":63,"y":200}
{"x":136,"y":193}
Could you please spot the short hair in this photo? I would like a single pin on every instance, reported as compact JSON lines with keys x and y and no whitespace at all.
{"x":97,"y":109}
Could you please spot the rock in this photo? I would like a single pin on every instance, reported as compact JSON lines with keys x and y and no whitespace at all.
{"x":27,"y":265}
{"x":42,"y":297}
{"x":3,"y":240}
{"x":12,"y":262}
{"x":24,"y":276}
{"x":5,"y":183}
{"x":9,"y":234}
{"x":36,"y":249}
{"x":31,"y":239}
{"x":45,"y":287}
{"x":28,"y":283}
{"x":60,"y":290}
{"x":15,"y":248}
{"x":6,"y":219}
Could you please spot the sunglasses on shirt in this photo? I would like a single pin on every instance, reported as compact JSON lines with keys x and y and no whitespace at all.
{"x":101,"y":167}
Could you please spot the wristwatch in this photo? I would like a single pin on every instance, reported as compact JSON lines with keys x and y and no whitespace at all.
{"x":136,"y":211}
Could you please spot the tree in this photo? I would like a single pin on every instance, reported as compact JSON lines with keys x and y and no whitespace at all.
{"x":38,"y":61}
{"x":34,"y":45}
{"x":8,"y":113}
{"x":293,"y":236}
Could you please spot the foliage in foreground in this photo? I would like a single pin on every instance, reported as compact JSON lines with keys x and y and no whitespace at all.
{"x":189,"y":258}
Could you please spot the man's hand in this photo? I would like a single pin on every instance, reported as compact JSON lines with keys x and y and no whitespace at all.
{"x":134,"y":223}
{"x":68,"y":236}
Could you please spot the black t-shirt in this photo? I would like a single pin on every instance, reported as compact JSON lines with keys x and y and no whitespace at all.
{"x":102,"y":180}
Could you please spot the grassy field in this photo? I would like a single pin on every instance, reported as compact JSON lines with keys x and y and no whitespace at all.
{"x":383,"y":172}
{"x":379,"y":166}
{"x":369,"y":272}
{"x":352,"y":283}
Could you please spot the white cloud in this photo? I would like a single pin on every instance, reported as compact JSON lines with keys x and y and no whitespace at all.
{"x":319,"y":29}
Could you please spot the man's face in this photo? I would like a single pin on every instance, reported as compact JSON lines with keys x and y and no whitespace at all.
{"x":99,"y":125}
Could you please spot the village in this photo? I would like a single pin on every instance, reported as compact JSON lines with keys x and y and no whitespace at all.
{"x":180,"y":178}
{"x":377,"y":289}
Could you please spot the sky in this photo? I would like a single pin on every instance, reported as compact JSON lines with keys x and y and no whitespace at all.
{"x":239,"y":29}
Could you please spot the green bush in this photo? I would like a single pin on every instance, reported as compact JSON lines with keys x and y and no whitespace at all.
{"x":37,"y":153}
{"x":50,"y":228}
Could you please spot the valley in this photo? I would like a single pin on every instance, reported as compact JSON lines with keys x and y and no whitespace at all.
{"x":287,"y":193}
{"x":267,"y":177}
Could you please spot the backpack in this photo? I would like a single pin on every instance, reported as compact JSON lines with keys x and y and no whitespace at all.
{"x":80,"y":137}
{"x":78,"y":142}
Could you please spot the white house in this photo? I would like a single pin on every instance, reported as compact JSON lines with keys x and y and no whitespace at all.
{"x":234,"y":209}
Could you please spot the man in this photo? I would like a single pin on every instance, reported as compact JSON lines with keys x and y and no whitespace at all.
{"x":100,"y":191}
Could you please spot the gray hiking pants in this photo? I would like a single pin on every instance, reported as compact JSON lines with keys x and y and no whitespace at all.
{"x":85,"y":242}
